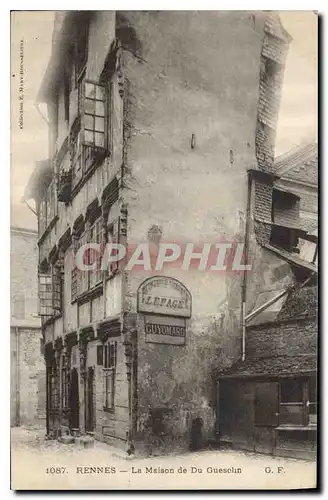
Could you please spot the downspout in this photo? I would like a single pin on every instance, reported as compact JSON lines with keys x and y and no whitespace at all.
{"x":244,"y":283}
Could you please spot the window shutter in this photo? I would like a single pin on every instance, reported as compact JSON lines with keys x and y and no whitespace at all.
{"x":57,"y":287}
{"x":85,"y":274}
{"x":105,"y":356}
{"x":98,"y":237}
{"x":42,"y":217}
{"x":100,"y":353}
{"x":114,"y":237}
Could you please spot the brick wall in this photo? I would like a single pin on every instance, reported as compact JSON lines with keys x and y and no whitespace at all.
{"x":285,"y":338}
{"x":273,"y":57}
{"x":286,"y":215}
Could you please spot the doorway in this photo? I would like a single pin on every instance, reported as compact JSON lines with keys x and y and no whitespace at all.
{"x":266,"y":416}
{"x":89,"y":407}
{"x":74,"y":402}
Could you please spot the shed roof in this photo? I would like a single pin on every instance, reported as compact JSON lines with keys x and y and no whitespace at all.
{"x":274,"y":366}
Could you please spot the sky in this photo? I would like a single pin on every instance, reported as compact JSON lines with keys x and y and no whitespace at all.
{"x":297,"y":119}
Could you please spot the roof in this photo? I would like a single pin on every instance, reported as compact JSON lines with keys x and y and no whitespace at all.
{"x":299,"y":164}
{"x":278,"y":366}
{"x":302,"y":302}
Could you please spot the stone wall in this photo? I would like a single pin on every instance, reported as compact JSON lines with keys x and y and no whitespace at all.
{"x":190,"y":122}
{"x":28,"y":380}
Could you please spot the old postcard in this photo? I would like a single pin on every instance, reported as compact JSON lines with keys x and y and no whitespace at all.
{"x":165,"y":222}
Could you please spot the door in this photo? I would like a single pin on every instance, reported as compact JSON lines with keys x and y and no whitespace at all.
{"x":266,"y":416}
{"x":90,"y":403}
{"x":74,"y":402}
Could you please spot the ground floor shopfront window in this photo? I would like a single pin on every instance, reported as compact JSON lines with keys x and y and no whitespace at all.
{"x":298,"y":401}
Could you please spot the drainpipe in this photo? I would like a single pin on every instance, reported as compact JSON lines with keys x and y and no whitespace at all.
{"x":244,"y":283}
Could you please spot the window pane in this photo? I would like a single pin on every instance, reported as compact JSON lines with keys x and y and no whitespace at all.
{"x":89,"y":122}
{"x":90,"y":90}
{"x":89,"y":136}
{"x":100,"y":124}
{"x":100,"y":108}
{"x":90,"y":106}
{"x":100,"y":93}
{"x":99,"y":139}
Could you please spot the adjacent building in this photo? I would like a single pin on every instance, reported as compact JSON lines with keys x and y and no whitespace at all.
{"x":268,"y":399}
{"x":161,"y":129}
{"x":28,"y":377}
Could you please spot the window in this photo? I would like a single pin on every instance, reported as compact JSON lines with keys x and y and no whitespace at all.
{"x":45,"y":294}
{"x":88,"y":139}
{"x":83,"y":281}
{"x":312,"y":401}
{"x":298,"y":402}
{"x":94,"y":115}
{"x":107,"y":358}
{"x":51,"y":285}
{"x":48,"y":207}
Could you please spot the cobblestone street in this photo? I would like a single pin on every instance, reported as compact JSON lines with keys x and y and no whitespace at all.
{"x":38,"y":464}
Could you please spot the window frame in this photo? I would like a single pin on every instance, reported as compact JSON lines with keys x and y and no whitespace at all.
{"x":107,"y":360}
{"x":303,"y":405}
{"x":83,"y":284}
